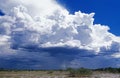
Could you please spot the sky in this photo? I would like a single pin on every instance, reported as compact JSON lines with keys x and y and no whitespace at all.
{"x":59,"y":35}
{"x":106,"y":11}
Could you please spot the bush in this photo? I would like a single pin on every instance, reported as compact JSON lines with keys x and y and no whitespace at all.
{"x":50,"y":72}
{"x":109,"y":70}
{"x":79,"y":72}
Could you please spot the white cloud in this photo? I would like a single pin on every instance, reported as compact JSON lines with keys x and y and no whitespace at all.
{"x":45,"y":23}
{"x":116,"y":55}
{"x":56,"y":28}
{"x":34,"y":7}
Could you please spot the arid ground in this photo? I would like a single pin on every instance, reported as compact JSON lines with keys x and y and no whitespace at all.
{"x":52,"y":74}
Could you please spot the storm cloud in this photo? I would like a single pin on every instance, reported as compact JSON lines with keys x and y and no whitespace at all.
{"x":34,"y":35}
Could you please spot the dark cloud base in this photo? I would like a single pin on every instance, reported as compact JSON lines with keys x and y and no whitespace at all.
{"x":56,"y":58}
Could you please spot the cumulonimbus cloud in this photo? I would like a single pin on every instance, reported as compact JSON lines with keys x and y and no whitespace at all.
{"x":32,"y":23}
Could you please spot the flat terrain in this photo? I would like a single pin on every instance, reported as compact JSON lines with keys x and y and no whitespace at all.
{"x":51,"y":74}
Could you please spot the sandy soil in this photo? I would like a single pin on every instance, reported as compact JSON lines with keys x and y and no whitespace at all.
{"x":47,"y":74}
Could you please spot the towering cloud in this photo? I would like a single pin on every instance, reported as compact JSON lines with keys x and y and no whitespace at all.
{"x":32,"y":25}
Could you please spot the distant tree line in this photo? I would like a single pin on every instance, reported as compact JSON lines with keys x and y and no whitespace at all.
{"x":71,"y":70}
{"x":109,"y":70}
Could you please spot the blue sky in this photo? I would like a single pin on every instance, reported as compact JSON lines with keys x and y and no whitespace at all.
{"x":107,"y":12}
{"x":36,"y":36}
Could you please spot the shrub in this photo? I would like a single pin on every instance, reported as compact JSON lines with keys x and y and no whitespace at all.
{"x":50,"y":72}
{"x":109,"y":70}
{"x":79,"y":72}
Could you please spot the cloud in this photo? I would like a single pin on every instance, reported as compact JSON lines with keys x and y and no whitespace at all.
{"x":116,"y":55}
{"x":34,"y":7}
{"x":95,"y":62}
{"x":32,"y":23}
